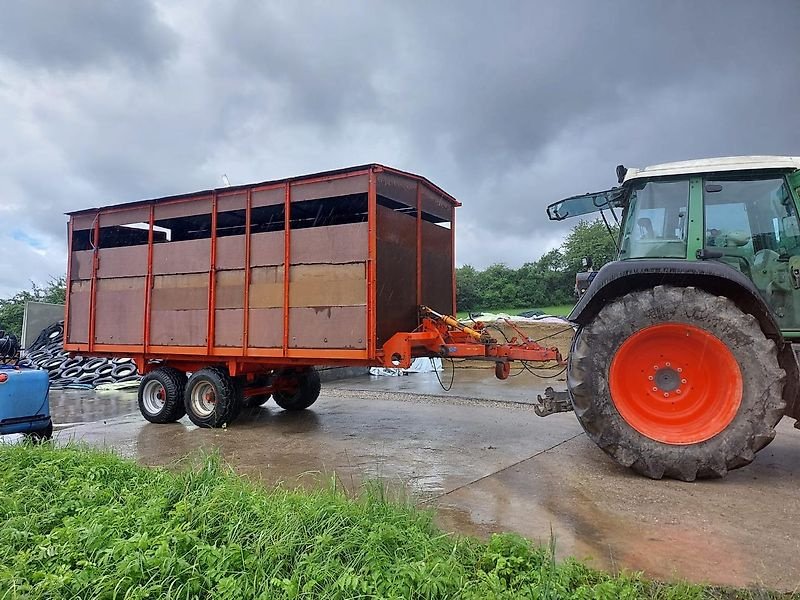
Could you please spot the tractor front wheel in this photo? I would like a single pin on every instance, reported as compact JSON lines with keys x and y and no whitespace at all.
{"x":676,"y":382}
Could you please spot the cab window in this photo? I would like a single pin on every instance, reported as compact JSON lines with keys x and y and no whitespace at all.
{"x":656,"y":221}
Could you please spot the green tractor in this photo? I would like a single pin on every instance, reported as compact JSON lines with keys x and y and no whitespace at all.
{"x":683,"y":361}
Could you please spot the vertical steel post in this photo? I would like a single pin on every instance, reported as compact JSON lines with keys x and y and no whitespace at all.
{"x":419,"y":245}
{"x":212,"y":277}
{"x":246,"y":314}
{"x":148,"y":288}
{"x":372,"y":266}
{"x":453,"y":255}
{"x":287,"y":199}
{"x":68,"y":285}
{"x":93,"y":285}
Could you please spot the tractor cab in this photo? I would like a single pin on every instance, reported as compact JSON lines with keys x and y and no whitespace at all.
{"x":740,"y":211}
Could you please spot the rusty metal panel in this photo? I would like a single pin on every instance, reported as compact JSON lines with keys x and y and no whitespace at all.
{"x":265,"y":328}
{"x":139,"y":214}
{"x":228,"y":325}
{"x":180,"y":292}
{"x":81,"y":267}
{"x":119,"y":311}
{"x":267,"y":197}
{"x":126,"y":261}
{"x":436,"y":204}
{"x":184,"y":208}
{"x":437,"y":268}
{"x":230,"y":202}
{"x":328,"y":285}
{"x":397,"y":188}
{"x":178,"y":327}
{"x":230,"y":252}
{"x":340,"y":327}
{"x":81,"y":222}
{"x":333,"y":244}
{"x":396,"y":273}
{"x":79,"y":300}
{"x":229,"y":291}
{"x":266,"y":248}
{"x":187,"y":256}
{"x":266,"y":287}
{"x":330,"y":189}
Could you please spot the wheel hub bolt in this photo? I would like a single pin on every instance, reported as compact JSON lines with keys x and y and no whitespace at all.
{"x":655,"y":389}
{"x":666,"y":394}
{"x":683,"y":381}
{"x":678,"y":391}
{"x":650,"y":377}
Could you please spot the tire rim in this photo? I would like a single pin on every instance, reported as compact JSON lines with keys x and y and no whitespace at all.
{"x":676,"y":383}
{"x":203,"y":399}
{"x":154,"y":396}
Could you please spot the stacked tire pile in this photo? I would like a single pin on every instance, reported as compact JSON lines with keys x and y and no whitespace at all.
{"x":46,"y":352}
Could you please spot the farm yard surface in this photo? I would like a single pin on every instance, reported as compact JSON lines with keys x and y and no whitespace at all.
{"x":483,"y":460}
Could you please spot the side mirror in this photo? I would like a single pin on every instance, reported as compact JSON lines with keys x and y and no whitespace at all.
{"x":586,"y":262}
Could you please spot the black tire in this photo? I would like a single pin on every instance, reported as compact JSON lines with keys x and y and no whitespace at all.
{"x":752,"y":427}
{"x":256,"y":401}
{"x":225,"y":402}
{"x":172,"y":383}
{"x":306,"y":389}
{"x":40,"y":435}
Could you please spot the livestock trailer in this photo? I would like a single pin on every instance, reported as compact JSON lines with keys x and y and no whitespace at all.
{"x":248,"y":287}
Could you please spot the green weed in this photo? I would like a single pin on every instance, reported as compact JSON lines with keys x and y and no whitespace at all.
{"x":81,"y":523}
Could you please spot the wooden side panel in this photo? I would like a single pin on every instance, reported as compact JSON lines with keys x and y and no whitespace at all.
{"x":266,"y":328}
{"x":268,"y":197}
{"x":179,"y":310}
{"x":185,"y":208}
{"x":330,"y":245}
{"x":436,"y":204}
{"x":187,"y":256}
{"x":396,"y":273}
{"x":128,"y":261}
{"x":230,"y":252}
{"x":230,"y":202}
{"x":178,"y":327}
{"x":81,"y":267}
{"x":230,"y":289}
{"x":330,"y":189}
{"x":79,"y":300}
{"x":228,"y":327}
{"x":266,"y":248}
{"x":119,"y":309}
{"x":328,"y":285}
{"x":140,"y":214}
{"x":437,"y":268}
{"x":340,"y":327}
{"x":266,"y":287}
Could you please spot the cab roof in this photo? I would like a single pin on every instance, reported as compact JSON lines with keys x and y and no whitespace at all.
{"x":714,"y":165}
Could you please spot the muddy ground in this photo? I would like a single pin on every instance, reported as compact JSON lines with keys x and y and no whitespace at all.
{"x":483,"y":460}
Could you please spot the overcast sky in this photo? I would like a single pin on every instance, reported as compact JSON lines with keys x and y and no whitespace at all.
{"x":506,"y":105}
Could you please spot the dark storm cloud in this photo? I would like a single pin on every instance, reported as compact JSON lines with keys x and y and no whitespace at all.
{"x":77,"y":33}
{"x":507,"y":106}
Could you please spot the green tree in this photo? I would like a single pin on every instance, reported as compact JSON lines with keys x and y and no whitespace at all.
{"x":12,"y":309}
{"x":590,"y":238}
{"x":468,"y":295}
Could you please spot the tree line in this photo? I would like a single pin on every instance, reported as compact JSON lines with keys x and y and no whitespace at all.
{"x":544,"y":282}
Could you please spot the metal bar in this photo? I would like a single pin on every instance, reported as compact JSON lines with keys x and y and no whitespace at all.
{"x":93,"y":285}
{"x":287,"y":199}
{"x":69,"y":281}
{"x":246,"y":314}
{"x":372,"y":292}
{"x":212,"y":277}
{"x":419,"y":245}
{"x":148,"y":288}
{"x":453,"y":254}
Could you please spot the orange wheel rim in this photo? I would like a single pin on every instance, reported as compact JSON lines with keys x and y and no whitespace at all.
{"x":676,"y":383}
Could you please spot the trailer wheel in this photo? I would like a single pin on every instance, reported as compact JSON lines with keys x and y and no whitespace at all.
{"x":296,"y":389}
{"x":212,"y":398}
{"x":676,"y":382}
{"x":161,"y":395}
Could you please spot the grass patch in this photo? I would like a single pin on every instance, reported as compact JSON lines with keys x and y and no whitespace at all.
{"x":558,"y":310}
{"x":80,"y":523}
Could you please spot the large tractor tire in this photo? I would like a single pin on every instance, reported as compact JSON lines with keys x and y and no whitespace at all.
{"x":296,"y":389}
{"x":676,"y":382}
{"x":212,"y":398}
{"x":161,"y":395}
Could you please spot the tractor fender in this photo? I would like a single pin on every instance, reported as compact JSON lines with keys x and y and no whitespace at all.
{"x":618,"y":278}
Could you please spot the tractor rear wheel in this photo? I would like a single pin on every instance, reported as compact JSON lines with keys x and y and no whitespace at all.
{"x":676,"y":382}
